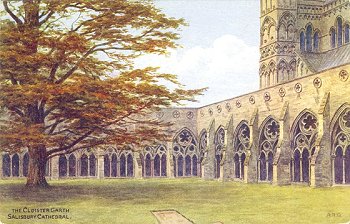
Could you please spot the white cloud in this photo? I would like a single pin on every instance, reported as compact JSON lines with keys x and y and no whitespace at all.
{"x":229,"y":67}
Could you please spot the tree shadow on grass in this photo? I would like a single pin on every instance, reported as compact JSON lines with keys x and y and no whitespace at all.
{"x":81,"y":190}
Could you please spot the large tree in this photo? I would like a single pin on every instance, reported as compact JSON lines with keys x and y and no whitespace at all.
{"x":68,"y":80}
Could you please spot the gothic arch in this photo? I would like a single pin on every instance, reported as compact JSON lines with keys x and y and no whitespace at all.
{"x":153,"y":159}
{"x":271,"y":73}
{"x":25,"y":164}
{"x":282,"y":71}
{"x":339,"y":25}
{"x":309,"y":36}
{"x":303,"y":137}
{"x":340,"y":140}
{"x":219,"y":142}
{"x":72,"y":165}
{"x":347,"y":32}
{"x":268,"y":138}
{"x":241,"y":139}
{"x":292,"y":69}
{"x":316,"y":40}
{"x":185,"y":147}
{"x":286,"y":26}
{"x":262,"y":73}
{"x":203,"y":144}
{"x":332,"y":35}
{"x":62,"y":166}
{"x":267,"y":30}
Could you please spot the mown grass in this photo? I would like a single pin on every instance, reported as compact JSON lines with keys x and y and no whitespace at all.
{"x":131,"y":201}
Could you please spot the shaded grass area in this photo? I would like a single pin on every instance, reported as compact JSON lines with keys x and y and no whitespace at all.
{"x":130,"y":201}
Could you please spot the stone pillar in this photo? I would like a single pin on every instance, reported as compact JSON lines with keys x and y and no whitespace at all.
{"x":1,"y":172}
{"x":169,"y":160}
{"x":281,"y":163}
{"x":100,"y":165}
{"x":55,"y":168}
{"x":333,"y":170}
{"x":343,"y":169}
{"x":152,"y":167}
{"x":137,"y":165}
{"x":250,"y":163}
{"x":20,"y":165}
{"x":321,"y":174}
{"x":209,"y":163}
{"x":228,"y":168}
{"x":301,"y":169}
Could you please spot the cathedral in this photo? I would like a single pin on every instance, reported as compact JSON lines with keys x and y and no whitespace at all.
{"x":294,"y":130}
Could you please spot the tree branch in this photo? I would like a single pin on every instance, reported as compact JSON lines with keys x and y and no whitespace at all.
{"x":75,"y":142}
{"x":13,"y":16}
{"x":48,"y":16}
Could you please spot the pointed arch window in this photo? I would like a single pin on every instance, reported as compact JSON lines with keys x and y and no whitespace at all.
{"x":241,"y":144}
{"x":268,"y":139}
{"x":114,"y":166}
{"x":303,"y":142}
{"x":341,"y":148}
{"x":130,"y":166}
{"x":84,"y":165}
{"x":332,"y":33}
{"x":92,"y":165}
{"x":6,"y":165}
{"x":184,"y":149}
{"x":71,"y":165}
{"x":107,"y":165}
{"x":309,"y":38}
{"x":302,"y":41}
{"x":316,"y":41}
{"x":347,"y":30}
{"x":62,"y":166}
{"x":25,"y":164}
{"x":340,"y":31}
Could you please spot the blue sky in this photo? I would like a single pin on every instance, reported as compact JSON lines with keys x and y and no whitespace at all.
{"x":220,"y":47}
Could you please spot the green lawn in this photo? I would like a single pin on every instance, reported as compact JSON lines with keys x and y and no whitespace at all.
{"x":130,"y":201}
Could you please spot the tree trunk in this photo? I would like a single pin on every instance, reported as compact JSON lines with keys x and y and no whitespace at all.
{"x":37,"y":167}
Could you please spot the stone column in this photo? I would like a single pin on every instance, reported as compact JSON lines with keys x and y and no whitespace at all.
{"x":209,"y":162}
{"x":55,"y":168}
{"x":20,"y":165}
{"x":169,"y":160}
{"x":250,"y":163}
{"x":137,"y":165}
{"x":281,"y":161}
{"x":333,"y":170}
{"x":100,"y":165}
{"x":321,"y":159}
{"x":152,"y":167}
{"x":228,"y":166}
{"x":301,"y":169}
{"x":1,"y":158}
{"x":343,"y":169}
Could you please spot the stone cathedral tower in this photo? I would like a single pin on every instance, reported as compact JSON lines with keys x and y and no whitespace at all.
{"x":298,"y":36}
{"x":277,"y":41}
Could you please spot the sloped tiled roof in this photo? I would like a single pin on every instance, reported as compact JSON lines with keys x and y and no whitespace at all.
{"x":318,"y":62}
